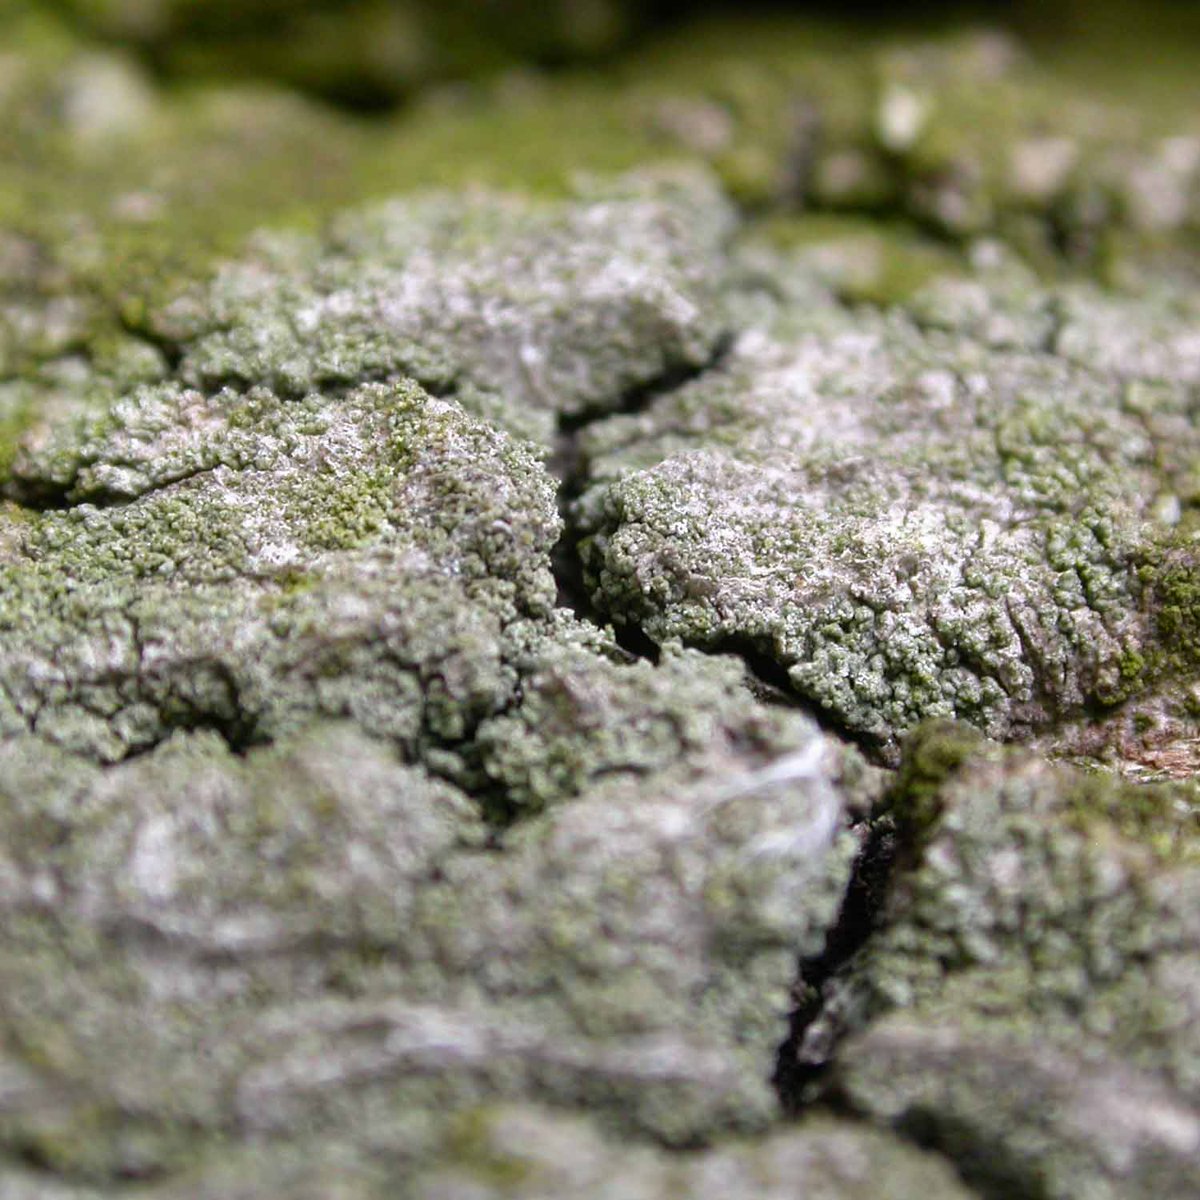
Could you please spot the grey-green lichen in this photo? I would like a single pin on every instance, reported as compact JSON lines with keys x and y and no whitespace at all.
{"x":256,"y":563}
{"x":946,"y":508}
{"x":524,"y":310}
{"x":257,"y":538}
{"x":199,"y":947}
{"x":252,"y":540}
{"x":1038,"y":964}
{"x":285,"y":528}
{"x":501,"y":1151}
{"x":339,"y":858}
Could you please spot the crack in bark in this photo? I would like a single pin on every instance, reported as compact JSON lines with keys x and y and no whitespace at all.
{"x":570,"y":467}
{"x":803,"y":1062}
{"x":800,"y":1067}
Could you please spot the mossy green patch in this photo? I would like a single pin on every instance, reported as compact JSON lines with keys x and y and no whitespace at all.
{"x":863,"y":260}
{"x":471,"y":1148}
{"x":933,"y":753}
{"x":1164,"y":817}
{"x":1176,"y":596}
{"x":137,"y":190}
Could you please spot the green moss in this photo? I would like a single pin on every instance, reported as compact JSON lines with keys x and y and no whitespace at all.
{"x":1134,"y":675}
{"x":1177,"y":612}
{"x":16,"y":414}
{"x":933,"y":753}
{"x":133,"y":213}
{"x":863,"y":260}
{"x":470,"y":1147}
{"x":1164,"y":817}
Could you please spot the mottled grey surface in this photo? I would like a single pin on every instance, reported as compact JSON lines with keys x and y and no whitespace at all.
{"x":1032,"y":999}
{"x":1021,"y":1118}
{"x":531,"y":1155}
{"x":339,"y":857}
{"x":526,"y":1152}
{"x":946,"y":509}
{"x":198,"y":946}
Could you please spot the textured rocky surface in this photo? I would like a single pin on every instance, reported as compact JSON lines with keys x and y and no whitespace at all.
{"x":523,"y":311}
{"x":283,"y":560}
{"x":959,"y":507}
{"x":1036,"y":977}
{"x":535,"y":1153}
{"x":317,"y":936}
{"x":541,"y":1157}
{"x":347,"y":850}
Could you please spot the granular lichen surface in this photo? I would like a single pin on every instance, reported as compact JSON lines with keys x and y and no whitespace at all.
{"x":629,"y":630}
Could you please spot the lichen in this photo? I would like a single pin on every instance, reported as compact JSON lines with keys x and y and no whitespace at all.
{"x":630,"y":953}
{"x":338,"y":857}
{"x":1042,"y":920}
{"x":420,"y":533}
{"x":936,"y":510}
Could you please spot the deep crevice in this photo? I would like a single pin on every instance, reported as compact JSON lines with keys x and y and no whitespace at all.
{"x":769,"y":682}
{"x":801,"y":1068}
{"x":171,"y":350}
{"x":827,"y":1006}
{"x":569,"y":465}
{"x":766,"y":677}
{"x":799,"y":1073}
{"x":43,"y":497}
{"x":635,"y":641}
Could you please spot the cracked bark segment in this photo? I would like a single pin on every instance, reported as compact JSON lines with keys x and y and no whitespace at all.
{"x":246,"y":557}
{"x":258,"y":563}
{"x":313,"y":945}
{"x":527,"y":310}
{"x":255,"y":563}
{"x":1030,"y":1000}
{"x":582,"y":719}
{"x":1021,"y":1117}
{"x":1076,"y":892}
{"x":532,"y":1155}
{"x":527,"y":1152}
{"x":915,"y":520}
{"x":201,"y":948}
{"x":382,"y":463}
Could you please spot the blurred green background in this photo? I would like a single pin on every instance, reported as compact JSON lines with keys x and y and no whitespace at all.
{"x":369,"y":53}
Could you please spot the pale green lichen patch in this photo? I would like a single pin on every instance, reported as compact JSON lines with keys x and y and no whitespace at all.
{"x":582,"y":719}
{"x":1041,"y":920}
{"x":943,"y":509}
{"x":259,"y":562}
{"x":315,"y":936}
{"x":525,"y":311}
